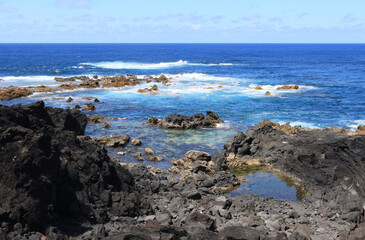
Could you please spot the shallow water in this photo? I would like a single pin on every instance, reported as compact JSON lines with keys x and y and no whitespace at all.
{"x":266,"y":183}
{"x":217,"y":77}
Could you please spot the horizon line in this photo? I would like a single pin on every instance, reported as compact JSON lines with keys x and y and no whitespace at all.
{"x":177,"y":43}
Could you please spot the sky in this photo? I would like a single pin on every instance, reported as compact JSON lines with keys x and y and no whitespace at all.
{"x":187,"y":21}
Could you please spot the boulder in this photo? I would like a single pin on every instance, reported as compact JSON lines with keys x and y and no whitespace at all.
{"x":114,"y":141}
{"x":136,"y":142}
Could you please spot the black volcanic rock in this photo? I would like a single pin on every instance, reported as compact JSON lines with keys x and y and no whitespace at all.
{"x":50,"y":173}
{"x":331,"y":165}
{"x":178,"y":121}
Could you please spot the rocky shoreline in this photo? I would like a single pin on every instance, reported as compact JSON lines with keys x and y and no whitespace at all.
{"x":56,"y":183}
{"x":77,"y":82}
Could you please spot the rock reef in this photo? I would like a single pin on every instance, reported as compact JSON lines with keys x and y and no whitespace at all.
{"x":178,"y":121}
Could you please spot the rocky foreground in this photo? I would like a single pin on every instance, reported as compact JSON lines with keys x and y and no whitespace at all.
{"x":56,"y":183}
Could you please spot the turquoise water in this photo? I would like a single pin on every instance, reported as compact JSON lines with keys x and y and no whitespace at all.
{"x":217,"y":77}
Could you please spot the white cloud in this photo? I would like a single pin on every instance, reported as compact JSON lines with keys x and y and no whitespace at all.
{"x":73,"y":3}
{"x":196,"y":26}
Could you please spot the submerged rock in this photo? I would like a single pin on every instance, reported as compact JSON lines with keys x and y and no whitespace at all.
{"x":98,"y":119}
{"x":177,"y":121}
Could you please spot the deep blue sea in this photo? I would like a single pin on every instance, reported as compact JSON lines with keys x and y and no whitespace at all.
{"x":217,"y":77}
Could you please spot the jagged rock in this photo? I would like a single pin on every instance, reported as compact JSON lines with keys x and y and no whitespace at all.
{"x":70,"y":99}
{"x":7,"y":93}
{"x":177,"y":121}
{"x":51,"y":174}
{"x":114,"y":140}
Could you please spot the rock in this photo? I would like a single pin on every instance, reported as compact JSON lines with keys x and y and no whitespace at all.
{"x":136,"y":142}
{"x":294,"y":214}
{"x":328,"y":163}
{"x":196,"y":219}
{"x":258,"y":88}
{"x":148,"y":151}
{"x":195,"y":161}
{"x":54,"y":175}
{"x":360,"y":129}
{"x":239,"y":232}
{"x":42,"y":88}
{"x":70,"y":99}
{"x":98,"y":119}
{"x":114,"y":140}
{"x":152,"y":121}
{"x":288,"y":87}
{"x":268,"y":93}
{"x":138,"y":155}
{"x":7,"y":93}
{"x":197,"y":156}
{"x":96,"y":100}
{"x":89,"y":107}
{"x":191,"y":194}
{"x":88,"y":98}
{"x":106,"y":125}
{"x":177,"y":121}
{"x":154,"y":158}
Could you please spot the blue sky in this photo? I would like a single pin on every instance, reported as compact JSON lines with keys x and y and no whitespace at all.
{"x":187,"y":21}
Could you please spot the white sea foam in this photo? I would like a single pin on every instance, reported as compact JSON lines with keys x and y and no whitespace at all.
{"x":302,"y":124}
{"x":161,"y":65}
{"x":28,"y":78}
{"x":354,"y":124}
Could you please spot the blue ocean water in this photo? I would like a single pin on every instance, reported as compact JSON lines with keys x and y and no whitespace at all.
{"x":217,"y":77}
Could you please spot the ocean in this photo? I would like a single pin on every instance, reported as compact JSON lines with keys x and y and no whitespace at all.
{"x":216,"y":77}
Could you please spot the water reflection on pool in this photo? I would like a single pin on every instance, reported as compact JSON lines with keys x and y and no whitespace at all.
{"x":265,"y":183}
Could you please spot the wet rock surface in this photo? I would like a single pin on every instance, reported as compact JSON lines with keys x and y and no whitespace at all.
{"x":7,"y":93}
{"x":177,"y":121}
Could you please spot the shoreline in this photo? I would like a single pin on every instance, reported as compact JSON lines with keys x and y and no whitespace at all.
{"x":174,"y":208}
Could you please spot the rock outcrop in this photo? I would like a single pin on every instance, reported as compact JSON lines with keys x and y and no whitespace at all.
{"x":177,"y":121}
{"x":329,"y":164}
{"x":51,"y":175}
{"x":7,"y":93}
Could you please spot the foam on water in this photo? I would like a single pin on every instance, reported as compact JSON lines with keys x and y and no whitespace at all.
{"x":28,"y":78}
{"x":302,"y":124}
{"x":354,"y":124}
{"x":137,"y":65}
